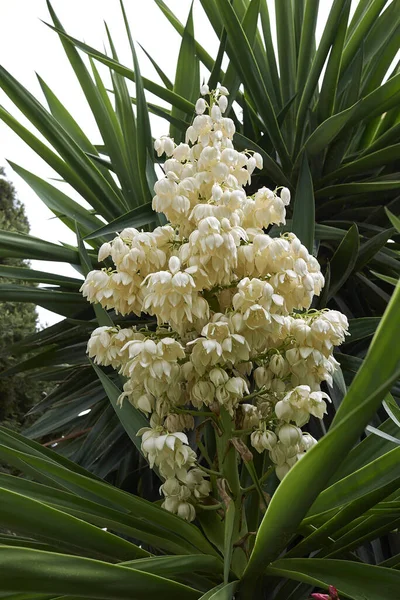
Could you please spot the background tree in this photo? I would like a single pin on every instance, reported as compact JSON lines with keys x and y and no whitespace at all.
{"x":17,"y":392}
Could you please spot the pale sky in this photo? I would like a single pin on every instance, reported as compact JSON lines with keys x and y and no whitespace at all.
{"x":28,"y":46}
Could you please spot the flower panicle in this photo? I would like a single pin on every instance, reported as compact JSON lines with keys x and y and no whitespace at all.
{"x":232,"y":306}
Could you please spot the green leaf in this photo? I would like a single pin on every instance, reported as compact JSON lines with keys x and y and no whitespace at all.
{"x":28,"y":274}
{"x":328,"y":35}
{"x":225,"y":591}
{"x":57,"y":201}
{"x":187,"y":77}
{"x":154,"y":88}
{"x":391,"y":280}
{"x":286,"y":47}
{"x":327,"y":96}
{"x":228,"y":538}
{"x":365,"y":164}
{"x":309,"y":476}
{"x":344,"y":260}
{"x":303,"y":222}
{"x":34,"y":519}
{"x":144,"y":140}
{"x":347,"y":189}
{"x":131,"y":418}
{"x":360,"y":32}
{"x":390,"y":438}
{"x":214,"y":75}
{"x":205,"y":58}
{"x":366,"y":451}
{"x":67,"y":304}
{"x":26,"y":570}
{"x":60,"y":166}
{"x":372,"y":476}
{"x":63,"y":117}
{"x":243,"y":57}
{"x":355,"y":580}
{"x":17,"y":442}
{"x":102,"y":516}
{"x":392,"y":409}
{"x":166,"y":81}
{"x":270,"y":53}
{"x":362,"y":327}
{"x":393,"y":219}
{"x":371,"y":247}
{"x":307,"y":43}
{"x":181,"y":534}
{"x":328,"y":131}
{"x":95,"y":188}
{"x":139,"y":216}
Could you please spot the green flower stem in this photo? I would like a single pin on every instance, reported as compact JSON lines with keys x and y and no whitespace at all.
{"x":211,"y":506}
{"x":260,"y":481}
{"x":210,"y":471}
{"x":228,"y":465}
{"x":204,"y":453}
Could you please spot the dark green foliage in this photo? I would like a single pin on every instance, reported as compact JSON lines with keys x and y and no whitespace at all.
{"x":17,"y":393}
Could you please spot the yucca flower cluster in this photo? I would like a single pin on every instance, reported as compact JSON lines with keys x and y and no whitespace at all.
{"x":234,"y":331}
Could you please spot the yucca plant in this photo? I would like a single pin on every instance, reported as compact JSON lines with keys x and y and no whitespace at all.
{"x":331,"y":140}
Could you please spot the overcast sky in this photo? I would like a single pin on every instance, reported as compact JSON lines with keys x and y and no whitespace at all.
{"x":28,"y":46}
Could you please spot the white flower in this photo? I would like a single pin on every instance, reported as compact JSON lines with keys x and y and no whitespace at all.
{"x":218,"y":345}
{"x":289,"y":435}
{"x":300,"y":403}
{"x":223,"y":103}
{"x":174,"y":422}
{"x":200,"y":106}
{"x":173,"y":297}
{"x":167,"y":451}
{"x":285,"y":196}
{"x":204,"y":90}
{"x":251,"y":416}
{"x":164,"y":144}
{"x":106,"y":343}
{"x":263,"y":440}
{"x":259,"y":160}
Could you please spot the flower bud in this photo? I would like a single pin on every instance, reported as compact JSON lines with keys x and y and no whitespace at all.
{"x":204,"y":90}
{"x":283,"y":410}
{"x":175,"y":423}
{"x":203,"y":391}
{"x":169,"y":146}
{"x":282,"y":470}
{"x":256,"y":441}
{"x":171,"y":487}
{"x":104,"y":251}
{"x":278,"y":454}
{"x":223,"y":103}
{"x":262,"y":377}
{"x":200,"y":106}
{"x":215,"y":113}
{"x":285,"y":196}
{"x":186,"y":511}
{"x":278,"y":365}
{"x":269,"y":440}
{"x":307,"y":441}
{"x":218,"y":376}
{"x":289,"y":435}
{"x":251,"y":164}
{"x":251,"y":417}
{"x":216,"y":192}
{"x":259,"y":160}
